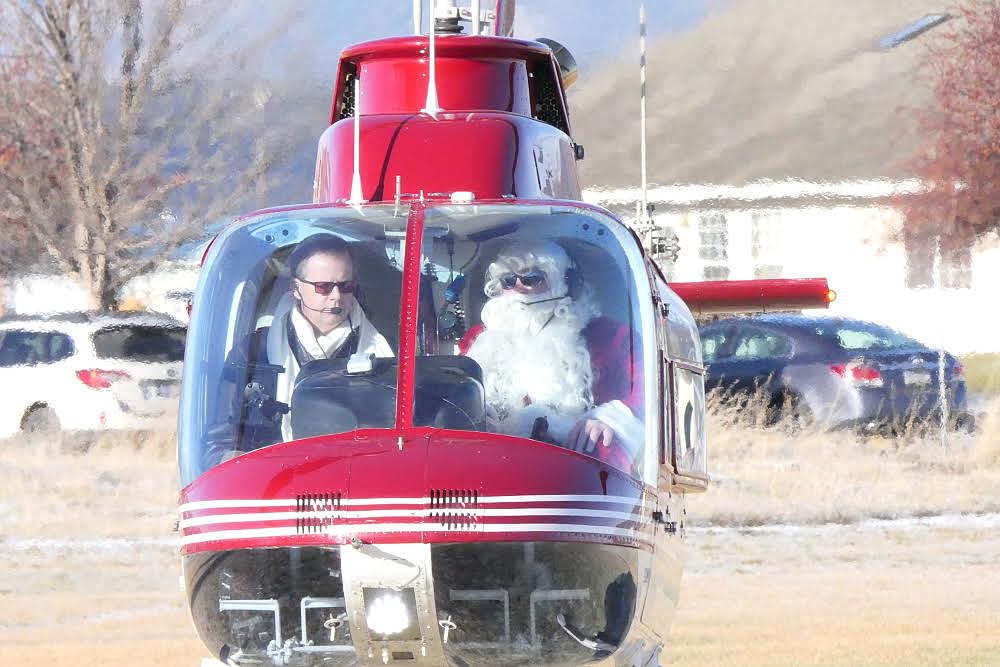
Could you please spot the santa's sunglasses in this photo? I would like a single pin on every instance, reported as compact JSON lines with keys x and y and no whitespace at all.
{"x":529,"y":279}
{"x":324,"y":287}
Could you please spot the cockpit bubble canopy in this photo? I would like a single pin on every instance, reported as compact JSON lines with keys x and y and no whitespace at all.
{"x":529,"y":323}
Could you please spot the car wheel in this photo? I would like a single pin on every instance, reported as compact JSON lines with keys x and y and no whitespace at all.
{"x":40,"y":420}
{"x":965,"y":422}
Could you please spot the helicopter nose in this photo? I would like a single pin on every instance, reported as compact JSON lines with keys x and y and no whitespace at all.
{"x":548,"y":603}
{"x":516,"y":553}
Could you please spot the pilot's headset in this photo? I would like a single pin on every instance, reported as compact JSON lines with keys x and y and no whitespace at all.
{"x":561,"y":273}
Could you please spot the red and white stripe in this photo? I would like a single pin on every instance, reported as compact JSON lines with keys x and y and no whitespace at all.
{"x":586,"y":517}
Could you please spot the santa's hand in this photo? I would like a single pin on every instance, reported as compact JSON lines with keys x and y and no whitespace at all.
{"x":587,"y":434}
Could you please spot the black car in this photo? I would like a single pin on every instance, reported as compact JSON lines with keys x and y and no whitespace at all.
{"x":832,"y":370}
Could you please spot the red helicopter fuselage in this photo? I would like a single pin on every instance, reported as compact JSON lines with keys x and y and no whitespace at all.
{"x":416,"y":534}
{"x":488,"y":139}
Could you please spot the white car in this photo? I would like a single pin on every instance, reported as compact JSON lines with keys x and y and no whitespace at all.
{"x":90,"y":372}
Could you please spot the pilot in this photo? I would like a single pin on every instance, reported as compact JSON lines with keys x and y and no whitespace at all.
{"x":553,"y":368}
{"x":326,"y":321}
{"x":321,"y":320}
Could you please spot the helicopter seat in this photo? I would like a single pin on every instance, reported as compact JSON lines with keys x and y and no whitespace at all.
{"x":282,"y":303}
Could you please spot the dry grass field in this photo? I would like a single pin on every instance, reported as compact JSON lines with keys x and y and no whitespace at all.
{"x":824,"y":549}
{"x":88,"y":563}
{"x":817,"y":549}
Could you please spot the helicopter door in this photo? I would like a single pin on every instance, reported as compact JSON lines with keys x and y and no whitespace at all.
{"x":683,"y":455}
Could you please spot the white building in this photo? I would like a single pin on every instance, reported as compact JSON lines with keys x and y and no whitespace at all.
{"x":848,"y":233}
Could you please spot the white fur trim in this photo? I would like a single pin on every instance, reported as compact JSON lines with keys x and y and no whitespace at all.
{"x":629,"y":431}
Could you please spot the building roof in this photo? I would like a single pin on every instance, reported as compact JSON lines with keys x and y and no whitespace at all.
{"x":758,"y":194}
{"x":764,"y":89}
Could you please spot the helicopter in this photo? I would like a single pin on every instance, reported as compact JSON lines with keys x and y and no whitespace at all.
{"x":374,"y":513}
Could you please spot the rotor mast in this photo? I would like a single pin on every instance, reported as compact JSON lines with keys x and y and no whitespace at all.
{"x":446,"y":17}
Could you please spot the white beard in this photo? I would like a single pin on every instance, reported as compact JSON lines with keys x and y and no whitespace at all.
{"x":535,"y":363}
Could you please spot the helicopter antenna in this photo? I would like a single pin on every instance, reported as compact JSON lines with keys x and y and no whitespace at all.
{"x":476,"y":18}
{"x":431,"y":106}
{"x":659,"y":242}
{"x":357,"y":194}
{"x":418,"y":19}
{"x":644,"y":219}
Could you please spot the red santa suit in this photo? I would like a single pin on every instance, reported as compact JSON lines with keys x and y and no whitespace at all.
{"x":555,"y":357}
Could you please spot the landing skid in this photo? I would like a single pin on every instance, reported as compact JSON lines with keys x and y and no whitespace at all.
{"x":652,"y":659}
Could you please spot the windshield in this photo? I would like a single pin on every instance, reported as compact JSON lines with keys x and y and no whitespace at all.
{"x":528,"y":324}
{"x":285,"y":303}
{"x":534,"y":308}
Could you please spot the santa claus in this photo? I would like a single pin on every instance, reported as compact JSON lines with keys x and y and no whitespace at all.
{"x":553,"y":368}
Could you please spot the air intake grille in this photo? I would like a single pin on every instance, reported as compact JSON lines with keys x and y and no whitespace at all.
{"x":548,"y":103}
{"x":316,"y":511}
{"x":445,"y":498}
{"x":455,"y":509}
{"x":347,"y":98}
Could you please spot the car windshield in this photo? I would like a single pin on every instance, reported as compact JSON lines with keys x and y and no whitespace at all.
{"x":860,"y":336}
{"x":142,"y":343}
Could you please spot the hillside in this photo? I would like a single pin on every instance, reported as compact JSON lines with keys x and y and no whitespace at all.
{"x":762,"y":89}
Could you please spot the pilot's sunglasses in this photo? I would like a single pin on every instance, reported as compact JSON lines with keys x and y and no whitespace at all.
{"x":324,"y":287}
{"x":530,"y":279}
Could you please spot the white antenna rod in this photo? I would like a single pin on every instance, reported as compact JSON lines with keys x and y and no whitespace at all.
{"x":357,"y":194}
{"x":476,"y":27}
{"x":431,"y":106}
{"x":646,"y":218}
{"x":418,"y":18}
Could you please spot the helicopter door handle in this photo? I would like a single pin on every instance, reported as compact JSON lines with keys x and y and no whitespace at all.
{"x":668,"y":526}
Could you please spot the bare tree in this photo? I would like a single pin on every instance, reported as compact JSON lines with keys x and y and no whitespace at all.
{"x":29,"y":152}
{"x":126,"y":128}
{"x":960,"y":160}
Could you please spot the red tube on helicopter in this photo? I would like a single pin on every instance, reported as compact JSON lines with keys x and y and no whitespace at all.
{"x":741,"y":296}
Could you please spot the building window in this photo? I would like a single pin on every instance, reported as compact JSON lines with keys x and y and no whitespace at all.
{"x":919,"y":261}
{"x":956,"y":266}
{"x":767,"y":271}
{"x":716,"y":272}
{"x":714,"y":236}
{"x":767,"y":245}
{"x":955,"y":269}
